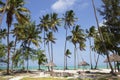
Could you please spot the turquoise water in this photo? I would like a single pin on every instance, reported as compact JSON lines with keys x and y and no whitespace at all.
{"x":58,"y":67}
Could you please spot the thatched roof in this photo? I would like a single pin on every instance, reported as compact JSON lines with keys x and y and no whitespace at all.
{"x":50,"y":64}
{"x":113,"y":58}
{"x":83,"y":63}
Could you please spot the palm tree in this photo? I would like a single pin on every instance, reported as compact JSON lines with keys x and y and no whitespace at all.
{"x":21,"y":55}
{"x":110,"y":12}
{"x":2,"y":52}
{"x":49,"y":22}
{"x":69,"y":19}
{"x":54,"y":22}
{"x":18,"y":34}
{"x":77,"y":37}
{"x":40,"y":57}
{"x":50,"y":39}
{"x":44,"y":26}
{"x":32,"y":37}
{"x":90,"y":33}
{"x":67,"y":54}
{"x":14,"y":8}
{"x":101,"y":36}
{"x":110,"y":42}
{"x":2,"y":33}
{"x":17,"y":58}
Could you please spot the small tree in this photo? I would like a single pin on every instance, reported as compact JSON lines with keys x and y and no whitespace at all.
{"x":67,"y":54}
{"x":41,"y":57}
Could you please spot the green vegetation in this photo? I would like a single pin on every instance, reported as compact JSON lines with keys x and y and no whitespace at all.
{"x":67,"y":54}
{"x":69,"y":79}
{"x":40,"y":56}
{"x":42,"y":79}
{"x":77,"y":38}
{"x":68,"y":20}
{"x":3,"y":78}
{"x":14,"y":9}
{"x":28,"y":34}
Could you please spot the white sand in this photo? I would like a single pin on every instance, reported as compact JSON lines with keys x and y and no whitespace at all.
{"x":81,"y":70}
{"x":38,"y":74}
{"x":17,"y":77}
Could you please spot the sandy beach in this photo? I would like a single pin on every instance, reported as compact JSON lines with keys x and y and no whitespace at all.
{"x":59,"y":73}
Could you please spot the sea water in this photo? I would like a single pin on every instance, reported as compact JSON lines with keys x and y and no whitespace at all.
{"x":57,"y":67}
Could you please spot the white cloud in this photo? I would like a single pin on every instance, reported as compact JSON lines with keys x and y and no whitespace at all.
{"x":62,"y":5}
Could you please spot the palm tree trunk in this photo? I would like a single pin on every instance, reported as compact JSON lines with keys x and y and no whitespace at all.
{"x":90,"y":54}
{"x":112,"y":71}
{"x":65,"y":51}
{"x":44,"y":43}
{"x":66,"y":63}
{"x":28,"y":56}
{"x":14,"y":52}
{"x":97,"y":62}
{"x":118,"y":66}
{"x":27,"y":60}
{"x":49,"y":56}
{"x":101,"y":36}
{"x":27,"y":63}
{"x":117,"y":63}
{"x":23,"y":65}
{"x":8,"y":56}
{"x":95,"y":58}
{"x":39,"y":67}
{"x":49,"y":52}
{"x":75,"y":58}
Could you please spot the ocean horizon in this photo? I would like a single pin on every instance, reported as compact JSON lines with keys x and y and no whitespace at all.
{"x":57,"y":67}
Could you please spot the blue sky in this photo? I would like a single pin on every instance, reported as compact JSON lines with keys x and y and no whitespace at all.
{"x":84,"y":12}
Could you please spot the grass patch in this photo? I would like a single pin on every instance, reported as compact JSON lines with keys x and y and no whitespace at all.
{"x":43,"y":79}
{"x":2,"y":78}
{"x":52,"y":79}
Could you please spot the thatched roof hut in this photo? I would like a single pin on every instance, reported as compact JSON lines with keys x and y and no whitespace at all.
{"x":83,"y":63}
{"x":50,"y":64}
{"x":113,"y":58}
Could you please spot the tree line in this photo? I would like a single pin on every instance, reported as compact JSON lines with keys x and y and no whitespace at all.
{"x":26,"y":34}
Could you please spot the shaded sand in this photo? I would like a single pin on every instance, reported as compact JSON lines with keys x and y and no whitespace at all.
{"x":32,"y":74}
{"x":62,"y":73}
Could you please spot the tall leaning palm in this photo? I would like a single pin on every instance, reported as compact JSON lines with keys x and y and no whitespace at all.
{"x":90,"y":34}
{"x":14,"y":9}
{"x":69,"y":19}
{"x":101,"y":36}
